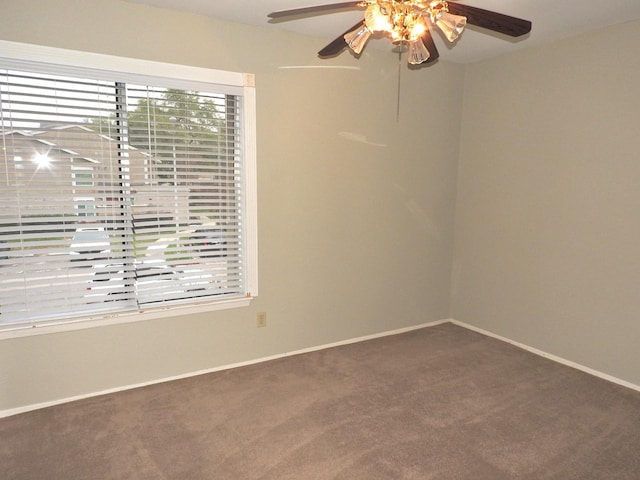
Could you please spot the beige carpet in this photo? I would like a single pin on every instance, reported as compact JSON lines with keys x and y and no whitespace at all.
{"x":437,"y":403}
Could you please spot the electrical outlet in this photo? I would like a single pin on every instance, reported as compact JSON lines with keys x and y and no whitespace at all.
{"x":261,"y":319}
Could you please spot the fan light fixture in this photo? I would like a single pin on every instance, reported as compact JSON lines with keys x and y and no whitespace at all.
{"x":405,"y":22}
{"x":408,"y":23}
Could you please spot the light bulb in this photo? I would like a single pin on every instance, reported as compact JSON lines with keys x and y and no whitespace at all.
{"x":416,"y":28}
{"x":357,"y":38}
{"x":451,"y":25}
{"x":377,"y":19}
{"x":418,"y":53}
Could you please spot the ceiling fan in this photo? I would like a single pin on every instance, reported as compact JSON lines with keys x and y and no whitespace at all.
{"x":408,"y":23}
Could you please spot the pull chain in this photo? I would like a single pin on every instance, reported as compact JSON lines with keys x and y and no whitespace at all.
{"x":399,"y":70}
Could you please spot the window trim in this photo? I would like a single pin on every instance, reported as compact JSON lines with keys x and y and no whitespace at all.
{"x":21,"y":54}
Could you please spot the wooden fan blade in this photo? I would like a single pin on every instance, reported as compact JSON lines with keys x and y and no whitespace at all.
{"x":317,"y":9}
{"x":512,"y":26}
{"x":338,"y":44}
{"x":427,"y":39}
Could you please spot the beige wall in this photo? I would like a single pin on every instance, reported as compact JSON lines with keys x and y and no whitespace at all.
{"x":355,"y":209}
{"x":548,"y":217}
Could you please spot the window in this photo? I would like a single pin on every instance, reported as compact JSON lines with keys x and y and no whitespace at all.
{"x":124,"y":191}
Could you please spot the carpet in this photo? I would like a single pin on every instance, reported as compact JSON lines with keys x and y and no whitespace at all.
{"x":437,"y":403}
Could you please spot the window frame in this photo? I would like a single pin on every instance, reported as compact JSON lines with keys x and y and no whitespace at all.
{"x":49,"y":60}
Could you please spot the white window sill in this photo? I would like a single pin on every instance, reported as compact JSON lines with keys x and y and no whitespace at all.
{"x":120,"y":318}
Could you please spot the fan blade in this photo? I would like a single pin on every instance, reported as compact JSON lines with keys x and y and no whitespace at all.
{"x":338,"y":44}
{"x":427,"y":39}
{"x":317,"y":9}
{"x":512,"y":26}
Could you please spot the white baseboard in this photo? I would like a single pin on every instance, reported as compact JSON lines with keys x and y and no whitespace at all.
{"x":28,"y":408}
{"x":550,"y":356}
{"x":555,"y":358}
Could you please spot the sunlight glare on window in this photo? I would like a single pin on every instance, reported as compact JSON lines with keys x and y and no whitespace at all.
{"x":42,"y":160}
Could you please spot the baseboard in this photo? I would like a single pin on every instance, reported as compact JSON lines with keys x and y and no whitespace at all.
{"x":550,"y":356}
{"x":28,"y":408}
{"x":555,"y":358}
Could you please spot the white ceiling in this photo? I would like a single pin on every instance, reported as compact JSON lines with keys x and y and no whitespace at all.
{"x":552,"y":20}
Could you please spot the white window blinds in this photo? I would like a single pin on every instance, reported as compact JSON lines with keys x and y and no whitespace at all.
{"x":119,"y":195}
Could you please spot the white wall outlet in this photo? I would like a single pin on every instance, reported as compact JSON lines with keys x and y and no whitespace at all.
{"x":261,"y":319}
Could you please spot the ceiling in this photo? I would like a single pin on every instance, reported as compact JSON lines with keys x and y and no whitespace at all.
{"x":552,"y":20}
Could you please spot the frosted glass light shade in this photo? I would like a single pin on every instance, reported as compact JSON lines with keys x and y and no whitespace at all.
{"x":418,"y":53}
{"x":451,"y":25}
{"x":356,"y":39}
